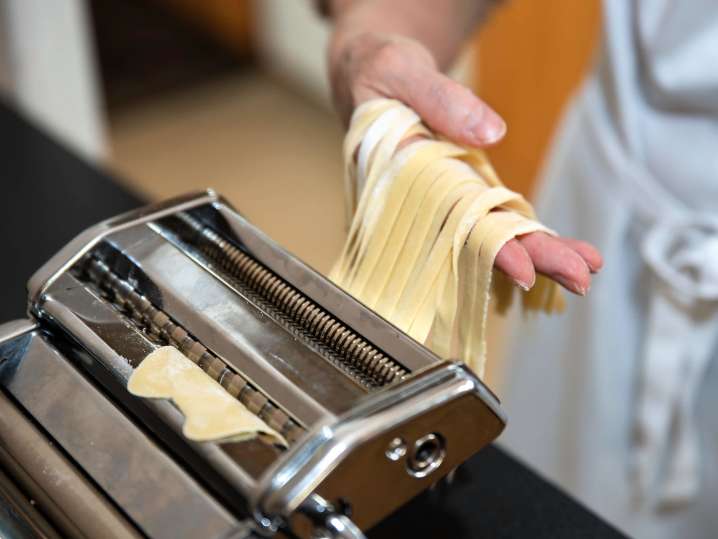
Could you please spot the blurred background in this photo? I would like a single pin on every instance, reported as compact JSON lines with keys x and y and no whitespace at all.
{"x":179,"y":95}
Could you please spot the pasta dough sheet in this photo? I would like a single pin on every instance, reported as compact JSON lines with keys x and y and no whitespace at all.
{"x":210,"y":412}
{"x":428,"y":218}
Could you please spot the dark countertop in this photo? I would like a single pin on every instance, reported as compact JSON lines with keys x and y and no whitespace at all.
{"x":50,"y":195}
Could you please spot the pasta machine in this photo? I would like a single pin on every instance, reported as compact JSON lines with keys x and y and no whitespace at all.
{"x":371,"y":417}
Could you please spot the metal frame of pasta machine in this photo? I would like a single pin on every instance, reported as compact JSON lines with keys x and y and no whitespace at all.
{"x":372,"y":417}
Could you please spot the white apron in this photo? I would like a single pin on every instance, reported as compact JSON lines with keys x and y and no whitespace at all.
{"x":617,"y":400}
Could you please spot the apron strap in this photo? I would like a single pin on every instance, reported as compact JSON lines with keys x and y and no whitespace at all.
{"x":679,"y":343}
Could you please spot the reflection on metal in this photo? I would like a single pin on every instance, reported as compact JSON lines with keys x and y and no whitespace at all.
{"x":396,"y":449}
{"x":373,"y":417}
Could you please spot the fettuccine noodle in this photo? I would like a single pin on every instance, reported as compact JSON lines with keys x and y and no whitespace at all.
{"x":427,"y":221}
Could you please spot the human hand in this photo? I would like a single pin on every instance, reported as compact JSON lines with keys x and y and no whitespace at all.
{"x":368,"y":65}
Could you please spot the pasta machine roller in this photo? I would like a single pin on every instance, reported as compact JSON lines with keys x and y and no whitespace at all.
{"x":371,"y":417}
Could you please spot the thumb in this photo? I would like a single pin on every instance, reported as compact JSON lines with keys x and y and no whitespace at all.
{"x":448,"y":107}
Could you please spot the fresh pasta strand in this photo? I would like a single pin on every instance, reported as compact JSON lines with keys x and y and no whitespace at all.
{"x":428,"y":222}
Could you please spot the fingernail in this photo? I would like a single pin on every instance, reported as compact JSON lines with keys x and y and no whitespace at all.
{"x":522,"y":285}
{"x":491,"y":129}
{"x":571,"y":285}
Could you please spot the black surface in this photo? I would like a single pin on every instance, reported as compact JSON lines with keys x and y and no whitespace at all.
{"x":494,"y":496}
{"x":50,"y":196}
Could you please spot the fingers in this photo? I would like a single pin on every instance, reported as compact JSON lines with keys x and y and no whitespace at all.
{"x":567,"y":261}
{"x":588,"y":252}
{"x":515,"y":262}
{"x":554,"y":258}
{"x":448,"y":107}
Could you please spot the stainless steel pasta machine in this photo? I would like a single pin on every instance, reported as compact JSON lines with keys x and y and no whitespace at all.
{"x":372,"y":417}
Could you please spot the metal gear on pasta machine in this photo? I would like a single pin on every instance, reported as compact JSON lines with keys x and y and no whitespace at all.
{"x":372,"y":418}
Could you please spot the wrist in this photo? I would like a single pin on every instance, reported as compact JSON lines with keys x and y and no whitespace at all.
{"x":362,"y":22}
{"x":350,"y":46}
{"x":440,"y":27}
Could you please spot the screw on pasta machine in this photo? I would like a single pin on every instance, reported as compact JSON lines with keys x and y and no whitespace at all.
{"x":396,"y":449}
{"x":426,"y":455}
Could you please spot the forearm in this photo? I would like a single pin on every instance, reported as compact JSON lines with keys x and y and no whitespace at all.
{"x":442,"y":26}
